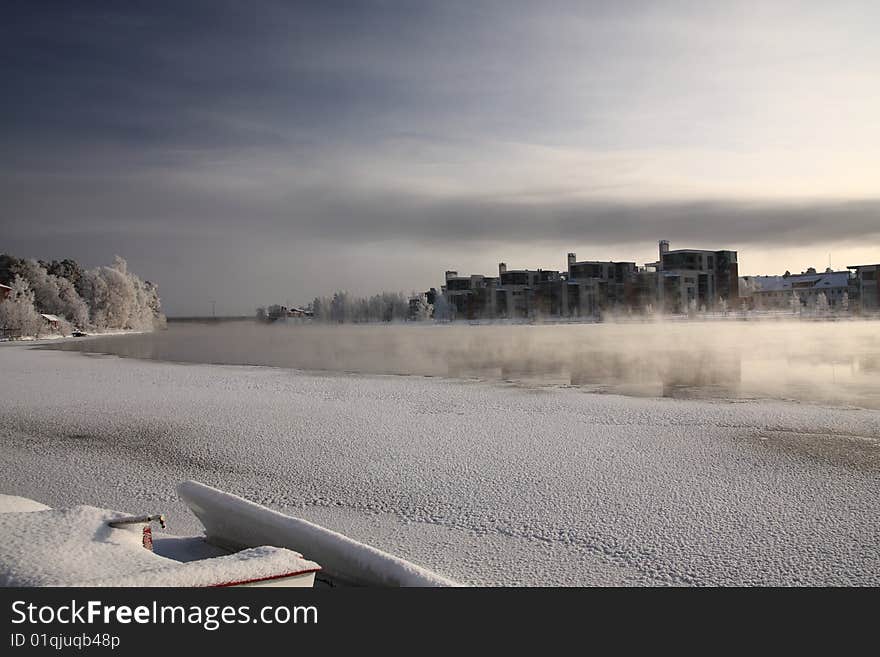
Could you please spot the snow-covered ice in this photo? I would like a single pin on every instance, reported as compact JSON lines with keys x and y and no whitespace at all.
{"x":485,"y":483}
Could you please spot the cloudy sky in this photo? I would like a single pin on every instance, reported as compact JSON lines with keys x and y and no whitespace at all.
{"x":271,"y":151}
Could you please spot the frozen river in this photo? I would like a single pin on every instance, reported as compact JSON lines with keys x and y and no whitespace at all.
{"x":486,"y":481}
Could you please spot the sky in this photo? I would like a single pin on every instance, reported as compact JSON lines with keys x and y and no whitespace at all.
{"x":268,"y":152}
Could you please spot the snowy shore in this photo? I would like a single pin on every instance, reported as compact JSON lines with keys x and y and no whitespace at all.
{"x":486,"y":483}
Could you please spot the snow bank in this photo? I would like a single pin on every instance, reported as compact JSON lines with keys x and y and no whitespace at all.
{"x":76,"y":547}
{"x":234,"y":522}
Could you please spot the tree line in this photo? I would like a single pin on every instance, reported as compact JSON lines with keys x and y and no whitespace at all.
{"x":103,"y":298}
{"x":344,"y":307}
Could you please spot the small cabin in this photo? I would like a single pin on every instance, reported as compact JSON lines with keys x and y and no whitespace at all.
{"x":53,"y":322}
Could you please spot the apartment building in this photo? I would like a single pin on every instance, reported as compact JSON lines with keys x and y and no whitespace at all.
{"x":865,"y":287}
{"x":695,"y":278}
{"x":794,"y":291}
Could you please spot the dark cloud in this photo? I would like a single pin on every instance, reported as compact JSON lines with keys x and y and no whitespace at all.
{"x":460,"y":221}
{"x":209,"y":137}
{"x":169,"y":205}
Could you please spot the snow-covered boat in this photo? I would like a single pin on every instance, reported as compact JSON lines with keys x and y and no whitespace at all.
{"x":245,"y":544}
{"x":236,"y":523}
{"x":88,"y":546}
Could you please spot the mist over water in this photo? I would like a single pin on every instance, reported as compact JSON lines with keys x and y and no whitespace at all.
{"x":832,"y":362}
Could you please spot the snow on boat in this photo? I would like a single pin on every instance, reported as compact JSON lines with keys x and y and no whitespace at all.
{"x":245,"y":544}
{"x":236,"y":523}
{"x":88,"y":546}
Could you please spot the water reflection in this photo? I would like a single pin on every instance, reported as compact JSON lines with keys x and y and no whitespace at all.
{"x":828,"y":362}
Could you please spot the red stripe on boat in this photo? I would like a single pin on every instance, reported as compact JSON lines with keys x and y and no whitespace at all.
{"x":265,"y":579}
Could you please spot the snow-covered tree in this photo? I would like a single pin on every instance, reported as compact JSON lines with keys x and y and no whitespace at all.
{"x":317,"y":308}
{"x":17,"y":313}
{"x":821,"y":303}
{"x":52,"y":294}
{"x":118,"y":299}
{"x":419,"y":310}
{"x":340,"y":310}
{"x":71,"y":306}
{"x":93,"y":289}
{"x":106,"y":297}
{"x":344,"y":307}
{"x":67,"y":268}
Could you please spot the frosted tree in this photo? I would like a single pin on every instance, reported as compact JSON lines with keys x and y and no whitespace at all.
{"x":395,"y":307}
{"x":112,"y":296}
{"x":53,"y":294}
{"x":67,"y":268}
{"x":106,"y":297}
{"x":382,"y":307}
{"x":93,"y":289}
{"x":339,"y":307}
{"x":822,"y":303}
{"x":119,"y":294}
{"x":399,"y":307}
{"x":321,"y":309}
{"x":844,"y":302}
{"x":154,"y":303}
{"x":419,"y":310}
{"x":794,"y":302}
{"x":118,"y":299}
{"x":17,"y":313}
{"x":71,"y":306}
{"x":44,"y":287}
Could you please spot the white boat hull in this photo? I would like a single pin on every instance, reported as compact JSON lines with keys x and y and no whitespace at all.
{"x":235,"y":523}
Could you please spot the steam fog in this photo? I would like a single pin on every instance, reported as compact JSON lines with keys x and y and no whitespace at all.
{"x":829,"y":362}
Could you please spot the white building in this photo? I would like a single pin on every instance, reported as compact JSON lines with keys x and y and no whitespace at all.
{"x":798,"y":290}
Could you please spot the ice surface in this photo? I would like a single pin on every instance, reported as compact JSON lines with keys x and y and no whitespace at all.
{"x":487,"y":484}
{"x":76,"y":547}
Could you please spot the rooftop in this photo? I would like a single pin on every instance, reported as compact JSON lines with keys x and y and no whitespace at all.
{"x":782,"y":283}
{"x":698,"y":251}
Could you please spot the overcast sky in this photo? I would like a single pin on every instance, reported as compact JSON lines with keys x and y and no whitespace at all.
{"x":254,"y":152}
